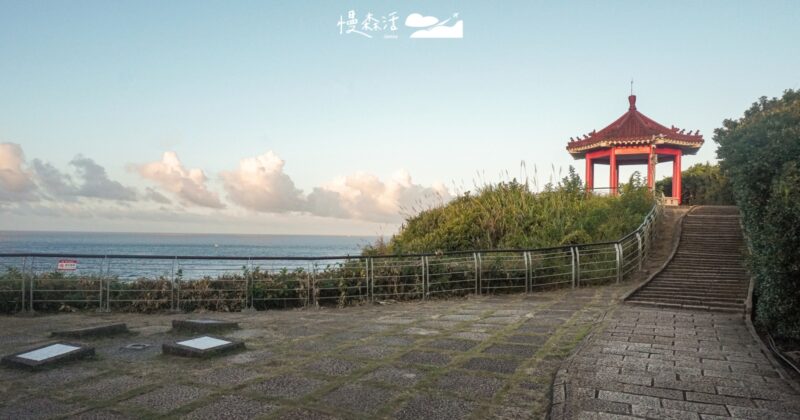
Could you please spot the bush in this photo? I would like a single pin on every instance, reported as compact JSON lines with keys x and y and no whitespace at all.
{"x":760,"y":155}
{"x":702,"y":183}
{"x":509,"y":215}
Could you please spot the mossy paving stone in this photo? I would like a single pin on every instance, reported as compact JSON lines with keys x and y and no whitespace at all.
{"x":370,"y":352}
{"x":426,"y":358}
{"x":363,"y":400}
{"x":286,"y":386}
{"x":101,"y":414}
{"x":395,"y":376}
{"x":227,"y":376}
{"x":502,"y":366}
{"x":165,"y":399}
{"x":303,"y":414}
{"x":429,"y":407}
{"x":37,"y":408}
{"x":530,"y":339}
{"x":108,"y":387}
{"x":469,"y":384}
{"x":333,"y":367}
{"x":232,"y":407}
{"x":451,"y":344}
{"x":514,"y":350}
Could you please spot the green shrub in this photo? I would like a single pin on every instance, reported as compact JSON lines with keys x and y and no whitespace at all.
{"x":702,"y":183}
{"x":760,"y":155}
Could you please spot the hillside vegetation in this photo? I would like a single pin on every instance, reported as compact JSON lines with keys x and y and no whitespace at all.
{"x":509,"y":215}
{"x":760,"y":154}
{"x":701,"y":184}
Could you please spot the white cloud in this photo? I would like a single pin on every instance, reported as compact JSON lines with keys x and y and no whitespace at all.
{"x":416,"y":20}
{"x":189,"y":185}
{"x":260,"y":184}
{"x":16,"y":182}
{"x":365,"y":197}
{"x":441,"y":31}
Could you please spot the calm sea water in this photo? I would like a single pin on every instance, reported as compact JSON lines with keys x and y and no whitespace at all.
{"x":197,"y":245}
{"x":182,"y":244}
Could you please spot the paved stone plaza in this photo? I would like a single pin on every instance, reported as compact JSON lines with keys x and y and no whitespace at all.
{"x":479,"y":357}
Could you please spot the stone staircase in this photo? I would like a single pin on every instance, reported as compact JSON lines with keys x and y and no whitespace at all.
{"x":707,"y":271}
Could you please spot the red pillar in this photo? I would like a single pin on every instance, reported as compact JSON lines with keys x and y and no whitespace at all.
{"x":614,"y":181}
{"x":651,"y":170}
{"x":676,"y":177}
{"x":589,"y":174}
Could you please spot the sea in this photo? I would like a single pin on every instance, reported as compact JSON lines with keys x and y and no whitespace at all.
{"x":73,"y":247}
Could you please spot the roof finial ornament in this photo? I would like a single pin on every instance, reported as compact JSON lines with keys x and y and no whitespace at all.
{"x":631,"y":86}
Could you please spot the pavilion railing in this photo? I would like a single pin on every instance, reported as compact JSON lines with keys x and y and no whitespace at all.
{"x":31,"y":282}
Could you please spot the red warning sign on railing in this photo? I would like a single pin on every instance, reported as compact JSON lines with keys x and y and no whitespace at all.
{"x":67,"y":265}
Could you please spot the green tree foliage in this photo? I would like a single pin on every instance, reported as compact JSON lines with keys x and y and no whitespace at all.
{"x":509,"y":215}
{"x":702,"y":183}
{"x":760,"y":155}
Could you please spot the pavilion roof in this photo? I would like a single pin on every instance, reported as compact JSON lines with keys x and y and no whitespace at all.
{"x":634,"y":129}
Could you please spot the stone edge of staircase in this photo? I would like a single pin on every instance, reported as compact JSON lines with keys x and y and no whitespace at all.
{"x":676,"y":241}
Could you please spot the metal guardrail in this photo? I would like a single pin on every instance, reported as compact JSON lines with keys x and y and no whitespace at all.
{"x":185,"y":283}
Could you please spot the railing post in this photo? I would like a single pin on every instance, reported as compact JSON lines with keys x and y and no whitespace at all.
{"x":32,"y":277}
{"x":108,"y":285}
{"x":572,"y":262}
{"x":478,"y":269}
{"x":175,"y":295}
{"x":526,"y":256}
{"x":618,"y":251}
{"x":425,"y":286}
{"x":639,"y":246}
{"x":370,"y":279}
{"x":22,"y":284}
{"x":312,"y":281}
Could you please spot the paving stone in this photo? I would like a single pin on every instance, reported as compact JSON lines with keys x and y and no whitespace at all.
{"x":472,"y":335}
{"x":286,"y":386}
{"x":370,"y":352}
{"x":37,"y":408}
{"x":452,"y":344}
{"x":696,"y":407}
{"x":624,"y":397}
{"x":389,"y":375}
{"x":333,"y":367}
{"x":304,"y":414}
{"x":760,"y":414}
{"x":423,"y":407}
{"x":107,"y":388}
{"x":365,"y":400}
{"x":594,"y":404}
{"x":515,"y":350}
{"x":469,"y":385}
{"x":232,"y":407}
{"x":505,"y":366}
{"x":534,"y":340}
{"x":663,"y":413}
{"x":227,"y":376}
{"x":169,"y":398}
{"x":426,"y":358}
{"x":100,"y":414}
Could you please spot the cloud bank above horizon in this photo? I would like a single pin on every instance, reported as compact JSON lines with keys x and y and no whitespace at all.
{"x":167,"y":188}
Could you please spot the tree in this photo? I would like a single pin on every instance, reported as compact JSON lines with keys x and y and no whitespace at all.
{"x":760,"y":155}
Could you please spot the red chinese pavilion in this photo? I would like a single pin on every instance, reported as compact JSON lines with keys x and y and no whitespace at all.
{"x":634,"y":139}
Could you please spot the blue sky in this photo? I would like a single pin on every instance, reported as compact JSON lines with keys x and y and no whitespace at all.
{"x":121,"y":83}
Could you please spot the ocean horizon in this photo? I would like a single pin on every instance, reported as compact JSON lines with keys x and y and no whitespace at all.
{"x":182,"y":244}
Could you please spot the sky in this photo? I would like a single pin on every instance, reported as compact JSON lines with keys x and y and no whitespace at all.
{"x":270,"y":117}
